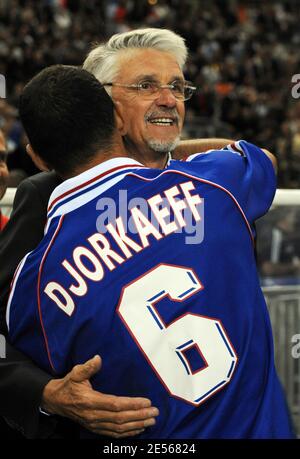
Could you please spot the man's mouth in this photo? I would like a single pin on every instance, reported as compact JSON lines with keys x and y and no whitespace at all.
{"x":162,"y":121}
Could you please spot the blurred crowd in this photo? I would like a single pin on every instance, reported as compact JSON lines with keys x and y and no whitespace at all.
{"x":243,"y":55}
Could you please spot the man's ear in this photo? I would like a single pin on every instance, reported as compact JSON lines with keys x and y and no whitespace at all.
{"x":119,"y":118}
{"x":38,"y":161}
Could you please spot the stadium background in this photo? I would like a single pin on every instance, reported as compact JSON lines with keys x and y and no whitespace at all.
{"x":243,"y":55}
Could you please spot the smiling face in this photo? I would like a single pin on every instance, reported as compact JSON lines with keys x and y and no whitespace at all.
{"x":152,"y":127}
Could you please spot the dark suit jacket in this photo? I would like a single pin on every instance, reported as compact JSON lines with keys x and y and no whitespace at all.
{"x":22,"y":382}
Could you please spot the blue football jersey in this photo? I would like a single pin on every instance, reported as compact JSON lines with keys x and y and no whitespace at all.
{"x":155,"y":271}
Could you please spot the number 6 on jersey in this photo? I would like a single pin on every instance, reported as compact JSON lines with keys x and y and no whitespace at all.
{"x":165,"y":346}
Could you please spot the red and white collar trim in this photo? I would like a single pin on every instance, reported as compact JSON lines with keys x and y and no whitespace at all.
{"x":96,"y":173}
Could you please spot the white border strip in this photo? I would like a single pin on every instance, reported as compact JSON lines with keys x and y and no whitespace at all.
{"x":282,"y":198}
{"x":287,"y":198}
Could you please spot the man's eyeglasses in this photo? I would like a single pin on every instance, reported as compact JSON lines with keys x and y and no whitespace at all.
{"x":181,"y":90}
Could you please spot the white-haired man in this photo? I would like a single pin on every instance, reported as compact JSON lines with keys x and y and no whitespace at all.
{"x":143,"y":71}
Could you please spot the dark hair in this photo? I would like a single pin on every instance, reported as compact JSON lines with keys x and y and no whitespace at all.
{"x":67,"y":116}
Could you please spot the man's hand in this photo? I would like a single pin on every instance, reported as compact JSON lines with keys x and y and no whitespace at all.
{"x":271,"y":157}
{"x":74,"y":398}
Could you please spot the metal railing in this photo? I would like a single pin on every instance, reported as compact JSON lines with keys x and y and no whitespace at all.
{"x":284,"y":308}
{"x":282,"y":198}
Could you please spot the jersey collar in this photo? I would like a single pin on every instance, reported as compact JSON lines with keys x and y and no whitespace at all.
{"x":97,"y":173}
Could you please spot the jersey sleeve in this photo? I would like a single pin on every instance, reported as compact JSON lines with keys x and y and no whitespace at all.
{"x":245,"y":171}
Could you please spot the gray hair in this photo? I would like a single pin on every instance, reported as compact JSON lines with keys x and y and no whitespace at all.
{"x":103,"y":60}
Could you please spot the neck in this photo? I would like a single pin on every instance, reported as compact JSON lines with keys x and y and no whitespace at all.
{"x":146,"y":156}
{"x":101,"y":156}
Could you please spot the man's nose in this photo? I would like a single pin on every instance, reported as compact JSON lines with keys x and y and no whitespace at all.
{"x":166,"y":98}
